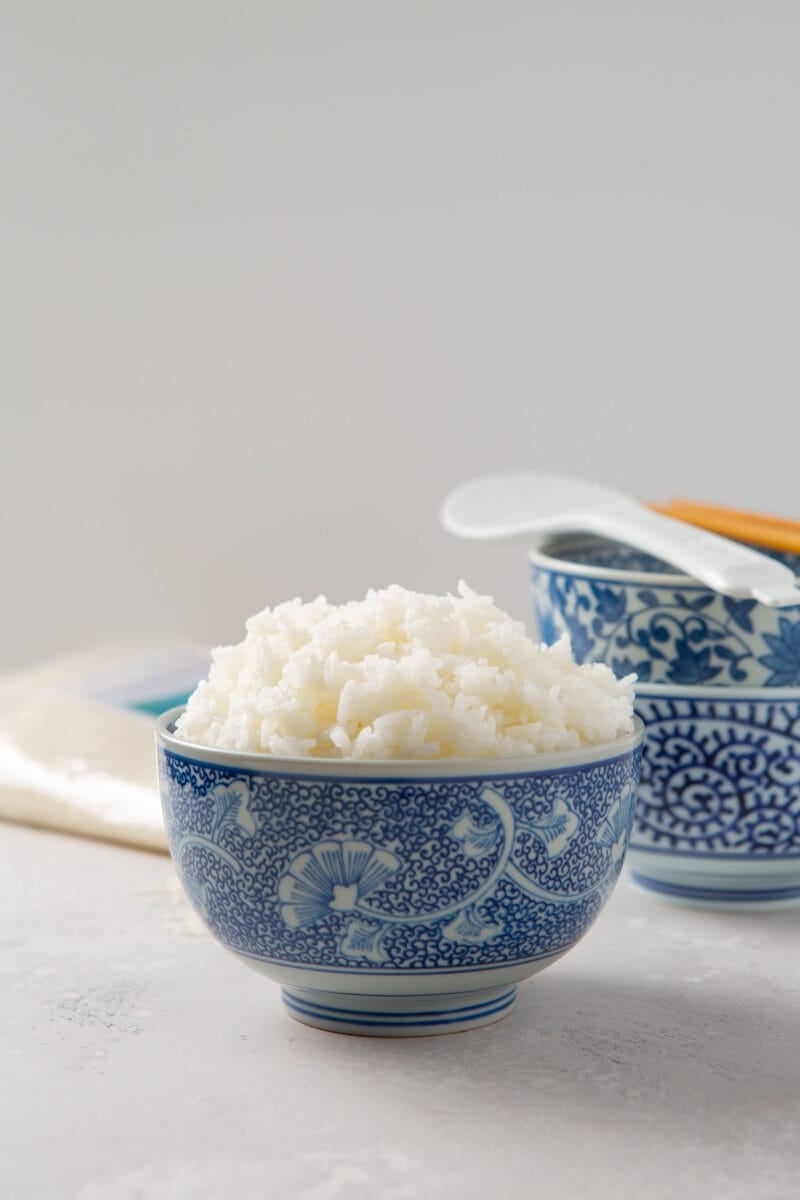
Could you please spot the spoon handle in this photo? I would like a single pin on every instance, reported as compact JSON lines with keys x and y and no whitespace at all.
{"x":725,"y":566}
{"x":533,"y":504}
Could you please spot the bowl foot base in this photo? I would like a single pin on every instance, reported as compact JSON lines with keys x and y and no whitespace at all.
{"x":711,"y":896}
{"x":399,"y":1016}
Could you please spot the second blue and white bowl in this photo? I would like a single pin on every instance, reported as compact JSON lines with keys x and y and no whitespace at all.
{"x":718,"y":816}
{"x":624,"y":608}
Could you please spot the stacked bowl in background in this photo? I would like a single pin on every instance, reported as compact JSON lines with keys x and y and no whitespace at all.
{"x":718,"y":815}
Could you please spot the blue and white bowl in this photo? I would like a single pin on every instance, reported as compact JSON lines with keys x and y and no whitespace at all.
{"x":624,"y":608}
{"x":398,"y":898}
{"x":718,"y":815}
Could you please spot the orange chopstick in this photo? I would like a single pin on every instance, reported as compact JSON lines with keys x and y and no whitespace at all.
{"x":778,"y":533}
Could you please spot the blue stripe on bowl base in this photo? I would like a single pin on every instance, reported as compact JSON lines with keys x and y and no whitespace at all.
{"x":722,"y":896}
{"x":399,"y":1016}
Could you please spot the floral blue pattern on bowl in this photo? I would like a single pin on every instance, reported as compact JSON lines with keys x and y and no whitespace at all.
{"x":718,"y":814}
{"x":398,"y":898}
{"x":621,"y":607}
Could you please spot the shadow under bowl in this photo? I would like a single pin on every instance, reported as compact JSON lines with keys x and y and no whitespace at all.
{"x":397,"y":898}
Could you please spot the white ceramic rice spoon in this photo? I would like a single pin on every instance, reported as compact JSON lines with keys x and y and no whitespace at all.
{"x":537,"y":503}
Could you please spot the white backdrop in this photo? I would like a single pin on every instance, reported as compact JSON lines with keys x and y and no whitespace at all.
{"x":277,"y":275}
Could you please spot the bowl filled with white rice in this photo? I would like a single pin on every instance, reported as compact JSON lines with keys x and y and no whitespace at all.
{"x":400,"y":807}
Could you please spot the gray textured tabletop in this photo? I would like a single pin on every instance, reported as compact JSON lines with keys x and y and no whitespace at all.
{"x":659,"y":1058}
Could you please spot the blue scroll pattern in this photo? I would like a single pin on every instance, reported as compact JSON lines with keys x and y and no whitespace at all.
{"x":666,"y":634}
{"x":720,"y":776}
{"x":397,"y":874}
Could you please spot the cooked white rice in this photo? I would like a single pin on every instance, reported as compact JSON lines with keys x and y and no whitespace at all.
{"x":402,"y":675}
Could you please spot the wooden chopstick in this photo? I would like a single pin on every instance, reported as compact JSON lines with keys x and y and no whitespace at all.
{"x":750,"y":518}
{"x":778,"y":533}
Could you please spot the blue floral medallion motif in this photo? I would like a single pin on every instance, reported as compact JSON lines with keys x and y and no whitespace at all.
{"x":784,"y":657}
{"x":334,"y":876}
{"x":680,"y":634}
{"x":720,"y":777}
{"x":432,"y":875}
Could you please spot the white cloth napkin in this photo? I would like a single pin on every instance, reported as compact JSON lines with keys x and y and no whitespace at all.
{"x":77,"y":751}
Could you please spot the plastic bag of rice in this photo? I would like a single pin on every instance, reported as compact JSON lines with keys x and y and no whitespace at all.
{"x":402,"y":675}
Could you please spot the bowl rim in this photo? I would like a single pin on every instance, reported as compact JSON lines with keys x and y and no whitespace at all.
{"x":539,"y":555}
{"x":743,"y":694}
{"x":397,"y":768}
{"x":566,"y":566}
